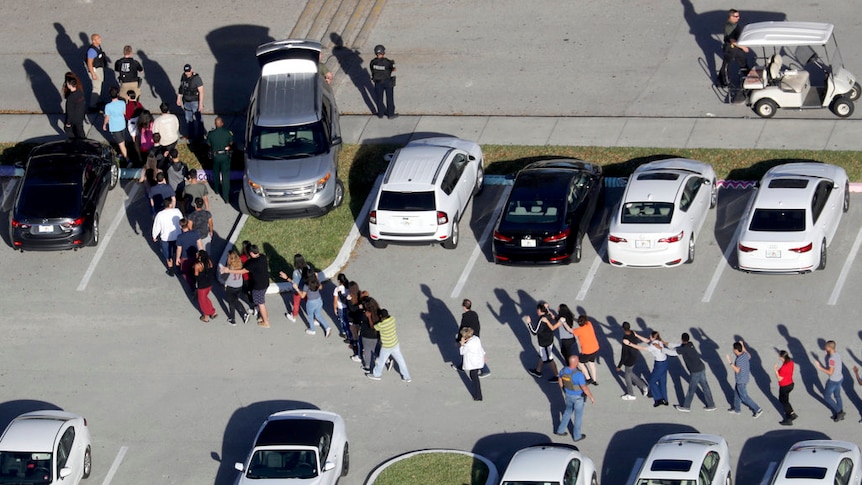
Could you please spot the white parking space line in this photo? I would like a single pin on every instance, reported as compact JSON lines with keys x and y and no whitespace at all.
{"x":722,"y":263}
{"x":769,"y":470}
{"x":462,"y":280}
{"x":845,"y":270}
{"x":116,"y":465}
{"x":635,"y":470}
{"x":591,"y":274}
{"x":103,"y":244}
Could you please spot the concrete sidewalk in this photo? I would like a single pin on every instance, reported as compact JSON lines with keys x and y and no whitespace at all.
{"x":741,"y":133}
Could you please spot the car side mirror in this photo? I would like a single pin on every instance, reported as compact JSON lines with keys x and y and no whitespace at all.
{"x":239,"y":466}
{"x":328,"y":466}
{"x":336,"y":140}
{"x":388,"y":157}
{"x":65,"y":472}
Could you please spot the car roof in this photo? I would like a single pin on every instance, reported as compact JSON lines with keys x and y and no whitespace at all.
{"x":34,"y":431}
{"x":540,"y":463}
{"x":785,"y":34}
{"x":416,"y":165}
{"x":296,"y":428}
{"x":681,"y":446}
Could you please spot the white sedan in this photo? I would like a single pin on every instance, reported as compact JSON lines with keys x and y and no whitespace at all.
{"x":45,"y":447}
{"x":663,"y":209}
{"x":687,"y":458}
{"x":303,"y":446}
{"x":792,"y":218}
{"x":551,"y":464}
{"x":820,"y":461}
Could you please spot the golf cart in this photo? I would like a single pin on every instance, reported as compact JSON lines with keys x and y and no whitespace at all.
{"x":799,"y":66}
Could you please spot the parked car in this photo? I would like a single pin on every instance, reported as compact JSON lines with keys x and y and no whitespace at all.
{"x":60,"y":198}
{"x":662,"y":211}
{"x":820,"y":461}
{"x":687,"y":458}
{"x":548,"y":212}
{"x":551,"y":464}
{"x":792,"y":218}
{"x":302,"y":446}
{"x":45,"y":447}
{"x":425,"y":192}
{"x":293,"y":136}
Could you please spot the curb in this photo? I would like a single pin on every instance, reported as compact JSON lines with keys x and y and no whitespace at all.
{"x":493,"y":474}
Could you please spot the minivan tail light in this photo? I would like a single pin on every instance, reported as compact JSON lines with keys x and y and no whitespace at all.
{"x":745,"y":249}
{"x":372,"y":217}
{"x":501,"y":237}
{"x":442,"y":218}
{"x":616,"y":239}
{"x":557,"y":237}
{"x":803,"y":249}
{"x":672,"y":239}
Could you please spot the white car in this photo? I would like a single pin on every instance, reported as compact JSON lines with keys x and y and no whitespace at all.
{"x":687,"y":458}
{"x":792,"y":218}
{"x":551,"y":464}
{"x":303,"y":446}
{"x":45,"y":447}
{"x":820,"y":461}
{"x":662,"y":211}
{"x":425,"y":192}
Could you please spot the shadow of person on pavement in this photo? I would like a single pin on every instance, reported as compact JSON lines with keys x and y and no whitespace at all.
{"x":351,"y":63}
{"x":46,"y":93}
{"x":709,"y":352}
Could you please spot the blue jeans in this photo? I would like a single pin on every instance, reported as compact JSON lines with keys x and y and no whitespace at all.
{"x":698,"y":379}
{"x":658,"y":380}
{"x":343,"y":321}
{"x":832,"y":396}
{"x":194,"y":123}
{"x":741,"y":397}
{"x":395,"y":352}
{"x":314,"y":311}
{"x":574,"y":405}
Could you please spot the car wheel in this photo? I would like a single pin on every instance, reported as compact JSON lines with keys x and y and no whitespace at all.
{"x":452,"y":241}
{"x":690,"y":250}
{"x":822,"y":264}
{"x":842,"y":107}
{"x":480,"y":180}
{"x":846,"y":197}
{"x":377,"y":243}
{"x":594,"y":480}
{"x":115,"y":175}
{"x":713,"y":197}
{"x":577,"y":252}
{"x":339,"y":194}
{"x":765,"y":108}
{"x":854,"y":92}
{"x":95,"y":241}
{"x":345,"y":461}
{"x":88,"y":463}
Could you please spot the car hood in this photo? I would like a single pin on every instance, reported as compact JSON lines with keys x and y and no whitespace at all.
{"x":288,"y":171}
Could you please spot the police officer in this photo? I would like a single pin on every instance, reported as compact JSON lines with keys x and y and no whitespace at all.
{"x":220,"y":140}
{"x":128,"y":73}
{"x":384,"y":82}
{"x":96,"y":61}
{"x":190,"y":97}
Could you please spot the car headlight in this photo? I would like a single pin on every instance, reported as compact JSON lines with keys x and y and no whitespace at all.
{"x":321,"y":184}
{"x":256,"y":188}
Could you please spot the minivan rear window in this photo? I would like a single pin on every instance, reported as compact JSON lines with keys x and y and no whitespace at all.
{"x":406,"y":201}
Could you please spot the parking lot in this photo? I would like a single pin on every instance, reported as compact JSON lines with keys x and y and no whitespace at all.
{"x":172,"y":400}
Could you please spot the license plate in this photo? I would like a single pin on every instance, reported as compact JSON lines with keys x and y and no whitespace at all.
{"x":48,"y":228}
{"x":773,"y":253}
{"x":642,"y":243}
{"x":528,"y":243}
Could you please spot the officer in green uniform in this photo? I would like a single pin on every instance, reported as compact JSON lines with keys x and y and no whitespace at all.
{"x":220,"y":140}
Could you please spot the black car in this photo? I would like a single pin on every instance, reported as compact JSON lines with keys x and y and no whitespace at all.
{"x":548,"y":212}
{"x":61,"y":196}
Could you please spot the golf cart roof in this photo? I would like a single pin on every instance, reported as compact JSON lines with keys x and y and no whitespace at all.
{"x":785,"y":34}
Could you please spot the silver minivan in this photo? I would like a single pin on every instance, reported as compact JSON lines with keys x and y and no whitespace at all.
{"x":293,"y":136}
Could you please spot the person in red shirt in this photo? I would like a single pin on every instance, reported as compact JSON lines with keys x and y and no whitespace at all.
{"x":589,"y":345}
{"x":784,"y":372}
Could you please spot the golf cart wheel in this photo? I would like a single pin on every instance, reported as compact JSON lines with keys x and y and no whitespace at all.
{"x":855,"y":92}
{"x":842,"y":107}
{"x":765,"y":108}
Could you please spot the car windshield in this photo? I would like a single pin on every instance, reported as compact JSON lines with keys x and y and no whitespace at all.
{"x":806,"y":472}
{"x":18,"y":467}
{"x":300,"y":464}
{"x":647,"y":213}
{"x":532,"y":211}
{"x":287,"y":142}
{"x":49,"y":201}
{"x":406,"y":201}
{"x":778,"y":220}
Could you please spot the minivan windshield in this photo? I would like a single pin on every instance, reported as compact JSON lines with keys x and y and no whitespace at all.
{"x":286,"y":142}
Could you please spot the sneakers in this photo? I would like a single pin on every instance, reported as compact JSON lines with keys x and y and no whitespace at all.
{"x":534,"y":373}
{"x":733,"y":411}
{"x":372,"y":376}
{"x":758,"y":413}
{"x":709,"y":408}
{"x":681,"y":409}
{"x":355,"y":358}
{"x":627,"y":397}
{"x":290,"y":316}
{"x":309,"y":331}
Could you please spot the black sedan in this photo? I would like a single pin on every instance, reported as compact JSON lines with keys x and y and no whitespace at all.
{"x":61,"y":196}
{"x":548,"y":212}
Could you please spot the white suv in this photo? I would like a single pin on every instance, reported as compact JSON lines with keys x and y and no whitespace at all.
{"x":425,"y":192}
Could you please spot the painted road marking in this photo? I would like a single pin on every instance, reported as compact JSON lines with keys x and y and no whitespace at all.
{"x":635,"y":470}
{"x":116,"y":465}
{"x":591,"y":274}
{"x":723,"y":263}
{"x":103,"y":244}
{"x":845,"y":270}
{"x":462,"y":280}
{"x":769,"y":471}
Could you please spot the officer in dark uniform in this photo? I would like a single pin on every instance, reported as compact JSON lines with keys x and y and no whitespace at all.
{"x":384,"y":82}
{"x":220,"y":140}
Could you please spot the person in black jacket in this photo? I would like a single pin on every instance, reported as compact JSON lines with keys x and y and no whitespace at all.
{"x":628,"y":358}
{"x":697,"y":369}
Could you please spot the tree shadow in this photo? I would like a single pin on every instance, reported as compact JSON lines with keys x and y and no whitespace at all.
{"x":350,"y":62}
{"x":762,"y":377}
{"x":240,"y":431}
{"x":807,"y":372}
{"x":159,"y":83}
{"x":761,"y":452}
{"x":236,"y":67}
{"x":709,"y":352}
{"x":626,"y":446}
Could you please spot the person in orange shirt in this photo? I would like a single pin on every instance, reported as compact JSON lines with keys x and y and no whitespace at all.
{"x":589,"y":345}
